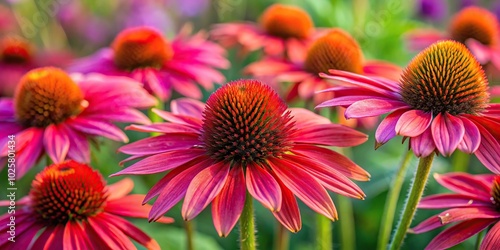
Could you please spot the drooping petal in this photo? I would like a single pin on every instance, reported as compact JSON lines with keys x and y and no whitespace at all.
{"x":303,"y":117}
{"x":372,"y":107}
{"x":228,"y":205}
{"x":100,"y":128}
{"x":472,"y":138}
{"x":263,"y":187}
{"x":187,"y":107}
{"x":387,"y":128}
{"x":162,"y":162}
{"x":488,"y":151}
{"x":383,"y":69}
{"x":109,"y":234}
{"x":439,"y":201}
{"x":423,"y":145}
{"x":131,"y":231}
{"x":79,"y":149}
{"x":161,"y":144}
{"x":289,"y":215}
{"x":164,"y":128}
{"x":464,"y":184}
{"x":119,"y":189}
{"x":28,"y":155}
{"x":413,"y":123}
{"x":447,"y":132}
{"x":386,"y":88}
{"x":304,"y":186}
{"x":74,"y":237}
{"x":330,"y":135}
{"x":53,"y":239}
{"x":458,"y":233}
{"x":492,"y":238}
{"x":56,"y":143}
{"x":131,"y":206}
{"x":181,"y":119}
{"x":204,"y":187}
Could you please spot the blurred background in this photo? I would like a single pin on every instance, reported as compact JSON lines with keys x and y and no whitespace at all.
{"x":62,"y":30}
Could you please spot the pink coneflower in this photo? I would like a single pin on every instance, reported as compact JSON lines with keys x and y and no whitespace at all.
{"x":142,"y":53}
{"x":245,"y":139}
{"x":55,"y":113}
{"x":474,"y":207}
{"x":474,"y":26}
{"x":440,"y":104}
{"x":70,"y":207}
{"x":282,"y":30}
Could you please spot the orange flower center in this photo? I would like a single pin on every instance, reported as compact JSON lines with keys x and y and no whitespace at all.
{"x":495,"y":191}
{"x":445,"y":77}
{"x":47,"y":96}
{"x":246,"y":121}
{"x":286,"y":21}
{"x":15,"y":50}
{"x":476,"y":23}
{"x":336,"y":50}
{"x":68,"y":191}
{"x":141,"y":48}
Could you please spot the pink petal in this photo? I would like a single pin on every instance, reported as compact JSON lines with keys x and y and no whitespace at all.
{"x":334,"y":160}
{"x":382,"y":69}
{"x":109,"y":234}
{"x":263,"y":187}
{"x":131,"y":206}
{"x":456,"y":215}
{"x":175,"y":188}
{"x":346,"y":101}
{"x":423,"y":145}
{"x":464,"y":184}
{"x":162,"y":162}
{"x":74,"y":237}
{"x":54,"y":240}
{"x":472,"y":137}
{"x":330,"y":135}
{"x":492,"y":238}
{"x":303,"y":117}
{"x":100,"y":128}
{"x":204,"y":187}
{"x":458,"y":233}
{"x":289,"y":215}
{"x":480,"y":51}
{"x":79,"y":149}
{"x":164,"y":128}
{"x":420,"y":39}
{"x":188,"y":107}
{"x":182,"y":119}
{"x":120,"y":115}
{"x":28,"y":154}
{"x":186,"y":88}
{"x":307,"y":88}
{"x":447,"y":132}
{"x":413,"y":123}
{"x":119,"y":189}
{"x":387,"y":128}
{"x":488,"y":152}
{"x":304,"y":186}
{"x":439,"y":201}
{"x":372,"y":107}
{"x":161,"y":144}
{"x":387,"y":88}
{"x":228,"y":205}
{"x":56,"y":143}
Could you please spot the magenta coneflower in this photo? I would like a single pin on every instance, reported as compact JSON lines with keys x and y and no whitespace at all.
{"x":70,"y":207}
{"x":440,"y":103}
{"x":245,"y":138}
{"x":55,"y":113}
{"x":474,"y":26}
{"x":282,"y":30}
{"x":142,"y":53}
{"x":474,"y":207}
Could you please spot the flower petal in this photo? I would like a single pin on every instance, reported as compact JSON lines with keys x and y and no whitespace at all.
{"x":161,"y":144}
{"x":187,"y":107}
{"x":304,"y":186}
{"x":100,"y":128}
{"x":464,"y":184}
{"x":439,"y":201}
{"x":203,"y":188}
{"x":113,"y":237}
{"x":372,"y":107}
{"x":492,"y":238}
{"x":488,"y":152}
{"x":330,"y":135}
{"x":74,"y":237}
{"x":423,"y":144}
{"x":387,"y":128}
{"x":228,"y":205}
{"x":458,"y":233}
{"x":413,"y":123}
{"x":263,"y":187}
{"x":472,"y":137}
{"x":289,"y":214}
{"x":119,"y":189}
{"x":56,"y":143}
{"x":131,"y":231}
{"x":131,"y":206}
{"x":447,"y":132}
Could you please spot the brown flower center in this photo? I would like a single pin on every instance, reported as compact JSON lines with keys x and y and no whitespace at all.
{"x":15,"y":50}
{"x":336,"y":50}
{"x":286,"y":21}
{"x":476,"y":23}
{"x":141,"y":48}
{"x":68,"y":191}
{"x":47,"y":96}
{"x":445,"y":77}
{"x":244,"y":121}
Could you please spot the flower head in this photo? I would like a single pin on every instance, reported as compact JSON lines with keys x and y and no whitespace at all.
{"x":15,"y":50}
{"x":245,"y":139}
{"x":472,"y":207}
{"x":441,"y":104}
{"x":142,"y":53}
{"x":56,"y":113}
{"x":282,"y":29}
{"x":70,"y":204}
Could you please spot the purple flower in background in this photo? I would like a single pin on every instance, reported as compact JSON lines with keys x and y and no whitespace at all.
{"x":433,"y":10}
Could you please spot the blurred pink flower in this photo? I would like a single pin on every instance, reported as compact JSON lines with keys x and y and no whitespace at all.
{"x":441,"y":103}
{"x":245,"y":139}
{"x":474,"y":206}
{"x":56,"y":114}
{"x":143,"y":54}
{"x":70,"y":207}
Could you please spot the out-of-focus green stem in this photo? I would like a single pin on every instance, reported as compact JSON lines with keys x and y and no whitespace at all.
{"x":247,"y":225}
{"x":479,"y":239}
{"x":323,"y":233}
{"x":282,"y":238}
{"x":417,"y":189}
{"x":154,"y":117}
{"x":188,"y":227}
{"x":346,"y":223}
{"x":460,"y":161}
{"x":391,"y":203}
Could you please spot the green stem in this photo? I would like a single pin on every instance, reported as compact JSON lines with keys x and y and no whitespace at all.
{"x":347,"y":231}
{"x":417,"y":189}
{"x":460,"y":161}
{"x":282,"y":238}
{"x":324,"y":233}
{"x":188,"y":226}
{"x":479,"y":239}
{"x":154,"y":117}
{"x":247,"y":225}
{"x":391,"y":203}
